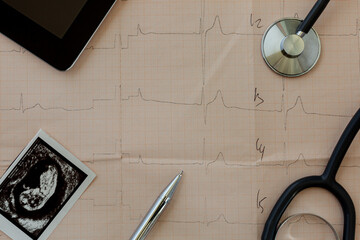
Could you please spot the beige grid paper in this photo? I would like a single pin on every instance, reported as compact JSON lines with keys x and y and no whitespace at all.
{"x":169,"y":85}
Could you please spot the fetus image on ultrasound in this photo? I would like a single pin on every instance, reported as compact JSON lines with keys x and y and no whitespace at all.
{"x":34,"y":193}
{"x":37,"y":188}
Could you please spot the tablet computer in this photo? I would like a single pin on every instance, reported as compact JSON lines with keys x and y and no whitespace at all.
{"x":57,"y":31}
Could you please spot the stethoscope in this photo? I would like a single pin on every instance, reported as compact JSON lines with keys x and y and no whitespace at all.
{"x":291,"y":47}
{"x":326,"y":181}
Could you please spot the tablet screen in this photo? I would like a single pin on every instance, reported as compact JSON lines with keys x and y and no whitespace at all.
{"x":56,"y":16}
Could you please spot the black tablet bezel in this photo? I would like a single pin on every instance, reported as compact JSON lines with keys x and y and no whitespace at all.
{"x":60,"y":53}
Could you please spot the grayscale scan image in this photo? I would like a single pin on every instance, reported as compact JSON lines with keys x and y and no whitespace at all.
{"x":38,"y":187}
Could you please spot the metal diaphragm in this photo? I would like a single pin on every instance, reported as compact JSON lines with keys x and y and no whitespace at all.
{"x":306,"y":226}
{"x":287,"y":53}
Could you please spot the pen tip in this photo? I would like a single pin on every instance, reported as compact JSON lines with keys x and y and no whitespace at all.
{"x":181,"y":173}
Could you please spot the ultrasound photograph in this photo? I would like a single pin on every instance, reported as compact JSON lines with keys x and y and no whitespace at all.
{"x":38,"y":187}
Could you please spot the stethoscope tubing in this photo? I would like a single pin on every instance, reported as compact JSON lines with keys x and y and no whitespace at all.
{"x":342,"y":146}
{"x":313,"y":16}
{"x":326,"y":181}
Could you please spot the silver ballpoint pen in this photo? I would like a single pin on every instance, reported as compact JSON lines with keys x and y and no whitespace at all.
{"x":156,"y":210}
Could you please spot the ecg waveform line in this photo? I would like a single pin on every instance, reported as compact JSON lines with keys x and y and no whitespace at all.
{"x":114,"y":155}
{"x":217,"y":21}
{"x":21,"y":107}
{"x":219,"y":95}
{"x":139,"y":160}
{"x":17,"y":50}
{"x":220,"y":158}
{"x":221,"y":218}
{"x":111,"y":47}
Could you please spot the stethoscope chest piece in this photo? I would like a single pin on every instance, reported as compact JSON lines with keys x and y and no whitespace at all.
{"x":288,"y":52}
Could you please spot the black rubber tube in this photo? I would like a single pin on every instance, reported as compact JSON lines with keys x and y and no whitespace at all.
{"x":271,"y":225}
{"x":313,"y":16}
{"x":326,"y":181}
{"x":342,"y":146}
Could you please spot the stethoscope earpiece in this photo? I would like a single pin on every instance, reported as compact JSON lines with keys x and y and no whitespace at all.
{"x":289,"y":52}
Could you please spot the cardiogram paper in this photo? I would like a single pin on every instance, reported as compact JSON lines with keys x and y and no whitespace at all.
{"x":169,"y":85}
